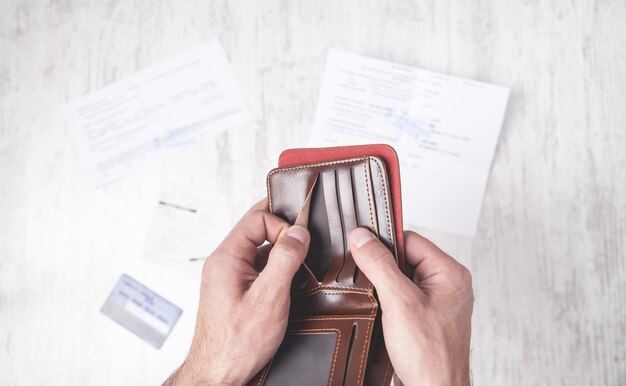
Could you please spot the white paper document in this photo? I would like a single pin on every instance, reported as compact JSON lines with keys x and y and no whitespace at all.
{"x":167,"y":105}
{"x":174,"y":228}
{"x":445,"y":130}
{"x":186,"y":225}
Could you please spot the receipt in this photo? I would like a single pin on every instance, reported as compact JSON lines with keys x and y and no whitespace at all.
{"x":445,"y":130}
{"x":167,"y":105}
{"x":174,"y":228}
{"x":190,"y":216}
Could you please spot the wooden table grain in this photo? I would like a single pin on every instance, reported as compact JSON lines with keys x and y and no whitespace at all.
{"x":548,"y":261}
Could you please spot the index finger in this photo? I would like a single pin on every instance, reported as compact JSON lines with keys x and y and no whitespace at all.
{"x":256,"y":227}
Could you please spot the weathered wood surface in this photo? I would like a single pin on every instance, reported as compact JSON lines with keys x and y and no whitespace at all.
{"x":549,"y":257}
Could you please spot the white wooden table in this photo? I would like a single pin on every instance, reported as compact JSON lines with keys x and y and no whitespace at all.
{"x":549,"y":260}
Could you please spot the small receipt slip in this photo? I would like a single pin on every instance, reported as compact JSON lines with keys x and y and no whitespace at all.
{"x":167,"y":105}
{"x":141,"y":311}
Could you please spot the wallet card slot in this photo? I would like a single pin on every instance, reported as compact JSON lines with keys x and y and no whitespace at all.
{"x":335,"y":224}
{"x":344,"y":218}
{"x":320,"y":254}
{"x":355,"y":274}
{"x":381,"y":202}
{"x":350,"y":221}
{"x":365,"y":210}
{"x":305,"y":278}
{"x":354,"y":196}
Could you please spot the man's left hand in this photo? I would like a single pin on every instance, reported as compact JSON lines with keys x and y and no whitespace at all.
{"x":244,"y":300}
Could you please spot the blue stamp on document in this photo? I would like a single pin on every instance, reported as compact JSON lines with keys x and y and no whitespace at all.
{"x":407,"y":123}
{"x":141,"y":311}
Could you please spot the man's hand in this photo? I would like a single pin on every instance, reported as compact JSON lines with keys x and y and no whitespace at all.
{"x":427,"y":317}
{"x":244,"y":301}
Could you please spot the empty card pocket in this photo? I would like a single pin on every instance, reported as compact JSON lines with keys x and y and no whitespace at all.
{"x":331,"y":200}
{"x":339,"y":204}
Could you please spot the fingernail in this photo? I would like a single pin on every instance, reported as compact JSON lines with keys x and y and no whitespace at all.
{"x":360,"y":236}
{"x":298,"y":233}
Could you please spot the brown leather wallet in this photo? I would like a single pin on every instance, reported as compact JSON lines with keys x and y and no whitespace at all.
{"x":334,"y":335}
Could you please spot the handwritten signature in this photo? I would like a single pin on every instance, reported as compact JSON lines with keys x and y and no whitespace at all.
{"x":403,"y":121}
{"x":171,"y":139}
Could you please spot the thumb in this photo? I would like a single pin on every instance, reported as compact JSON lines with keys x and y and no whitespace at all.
{"x":379,"y":265}
{"x":286,"y":256}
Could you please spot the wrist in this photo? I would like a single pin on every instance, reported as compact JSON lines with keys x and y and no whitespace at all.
{"x":215,"y":373}
{"x":435,"y":371}
{"x":197,"y":373}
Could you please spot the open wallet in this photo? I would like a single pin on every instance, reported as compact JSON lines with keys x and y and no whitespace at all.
{"x":334,"y":335}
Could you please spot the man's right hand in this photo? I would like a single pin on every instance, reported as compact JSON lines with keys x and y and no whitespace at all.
{"x":427,"y":317}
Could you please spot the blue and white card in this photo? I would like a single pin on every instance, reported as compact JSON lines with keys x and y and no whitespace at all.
{"x":141,"y":311}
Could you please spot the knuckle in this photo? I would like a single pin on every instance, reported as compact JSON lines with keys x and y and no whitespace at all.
{"x":281,"y":252}
{"x":254,"y":214}
{"x":461,"y":280}
{"x":465,"y":276}
{"x":286,"y":249}
{"x":377,"y":253}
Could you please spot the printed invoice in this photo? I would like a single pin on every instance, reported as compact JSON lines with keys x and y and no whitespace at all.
{"x":444,"y":128}
{"x":166,"y":105}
